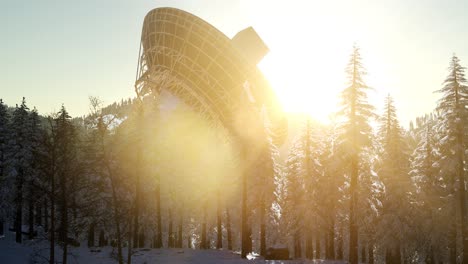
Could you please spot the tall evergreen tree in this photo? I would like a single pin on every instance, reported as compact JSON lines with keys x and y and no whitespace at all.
{"x":393,"y":170}
{"x":66,"y":143}
{"x":293,"y":205}
{"x":454,"y":106}
{"x":21,"y":159}
{"x":34,"y":173}
{"x":355,"y":135}
{"x":425,"y":168}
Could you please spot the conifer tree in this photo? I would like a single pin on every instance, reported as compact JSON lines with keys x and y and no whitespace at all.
{"x":354,"y":136}
{"x":425,"y":168}
{"x":34,"y":173}
{"x":453,"y":108}
{"x":66,"y":144}
{"x":292,"y":207}
{"x":21,"y":159}
{"x":393,"y":171}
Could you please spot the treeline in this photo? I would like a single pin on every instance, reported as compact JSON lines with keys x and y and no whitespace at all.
{"x":132,"y":176}
{"x":380,"y":193}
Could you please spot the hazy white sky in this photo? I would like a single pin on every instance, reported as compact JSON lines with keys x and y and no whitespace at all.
{"x":56,"y":52}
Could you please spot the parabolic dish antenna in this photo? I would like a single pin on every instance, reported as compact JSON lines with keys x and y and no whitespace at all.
{"x":214,"y":75}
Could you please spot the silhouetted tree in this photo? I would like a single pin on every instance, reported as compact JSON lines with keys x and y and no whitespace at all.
{"x":21,"y":158}
{"x":66,"y":140}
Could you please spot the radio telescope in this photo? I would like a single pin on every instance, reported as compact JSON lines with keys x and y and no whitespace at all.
{"x":216,"y":76}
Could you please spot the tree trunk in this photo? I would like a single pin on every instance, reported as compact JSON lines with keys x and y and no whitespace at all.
{"x":309,"y":250}
{"x":459,"y":107}
{"x":19,"y":206}
{"x":219,"y":230}
{"x":159,"y":242}
{"x":327,"y":246}
{"x":52,"y":216}
{"x":141,"y":238}
{"x":170,"y":238}
{"x":2,"y":233}
{"x":397,"y":254}
{"x":91,"y":234}
{"x":309,"y":247}
{"x":249,"y":245}
{"x":203,"y":243}
{"x":297,"y":245}
{"x":46,"y":214}
{"x":262,"y":228}
{"x":64,"y":217}
{"x":228,"y":229}
{"x":318,"y":250}
{"x":136,"y":229}
{"x":116,"y":219}
{"x":102,"y":239}
{"x":363,"y":254}
{"x":452,"y":236}
{"x":371,"y":252}
{"x":38,"y":214}
{"x":31,"y":213}
{"x":339,"y":246}
{"x":130,"y":236}
{"x":139,"y":146}
{"x":180,"y":230}
{"x":331,"y":239}
{"x":463,"y":214}
{"x":353,"y":229}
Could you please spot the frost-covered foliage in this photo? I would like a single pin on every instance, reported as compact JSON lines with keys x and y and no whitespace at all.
{"x":152,"y":173}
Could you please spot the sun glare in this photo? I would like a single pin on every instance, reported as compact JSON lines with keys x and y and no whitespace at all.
{"x":306,"y":67}
{"x":305,"y":71}
{"x":303,"y":86}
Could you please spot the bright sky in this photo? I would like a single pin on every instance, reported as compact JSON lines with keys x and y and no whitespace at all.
{"x":56,"y":52}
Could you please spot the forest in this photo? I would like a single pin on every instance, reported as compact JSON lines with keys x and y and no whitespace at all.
{"x":138,"y":174}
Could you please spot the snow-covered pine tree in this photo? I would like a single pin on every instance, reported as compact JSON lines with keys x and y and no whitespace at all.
{"x":369,"y":205}
{"x":314,"y":218}
{"x":264,"y":173}
{"x":354,"y":136}
{"x":333,"y":197}
{"x":425,"y":174}
{"x":292,"y":208}
{"x":453,"y":107}
{"x":303,"y":209}
{"x":393,"y":170}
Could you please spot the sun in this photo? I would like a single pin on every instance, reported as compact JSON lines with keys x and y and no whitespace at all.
{"x":303,"y":86}
{"x":306,"y":64}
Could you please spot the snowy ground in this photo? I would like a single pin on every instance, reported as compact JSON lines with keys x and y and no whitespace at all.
{"x":33,"y":252}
